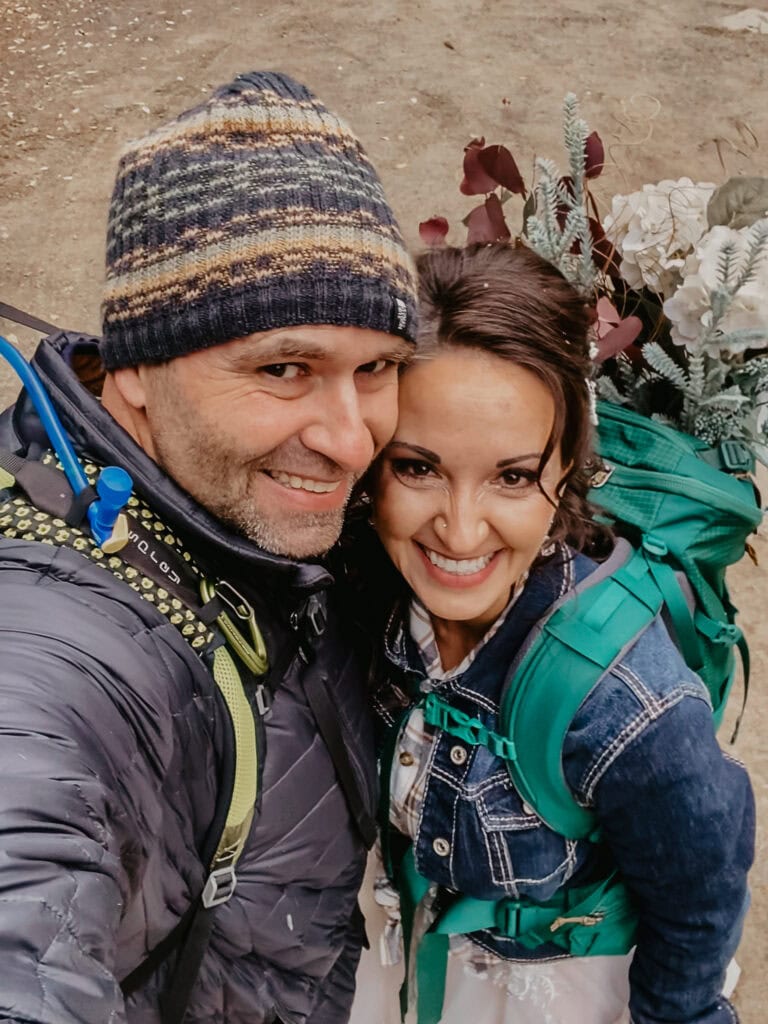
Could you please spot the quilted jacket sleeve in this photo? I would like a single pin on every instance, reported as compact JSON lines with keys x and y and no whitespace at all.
{"x":70,"y":731}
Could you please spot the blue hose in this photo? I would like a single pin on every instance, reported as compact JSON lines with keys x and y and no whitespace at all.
{"x":102,"y":520}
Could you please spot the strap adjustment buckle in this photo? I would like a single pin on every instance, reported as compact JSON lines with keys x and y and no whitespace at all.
{"x":315,"y":614}
{"x":220,"y":885}
{"x":508,"y":918}
{"x":601,"y":476}
{"x":736,"y":457}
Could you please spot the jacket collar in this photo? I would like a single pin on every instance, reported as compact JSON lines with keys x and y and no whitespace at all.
{"x":93,"y":431}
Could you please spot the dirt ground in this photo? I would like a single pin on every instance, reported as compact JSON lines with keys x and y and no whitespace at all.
{"x":671,"y":91}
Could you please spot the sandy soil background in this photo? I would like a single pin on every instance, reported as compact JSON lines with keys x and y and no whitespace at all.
{"x":672,"y":92}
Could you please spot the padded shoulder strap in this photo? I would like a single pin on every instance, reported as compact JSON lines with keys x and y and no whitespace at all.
{"x":155,"y":565}
{"x":573,"y":648}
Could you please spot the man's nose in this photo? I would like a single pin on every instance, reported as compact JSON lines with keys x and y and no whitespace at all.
{"x":339,"y":430}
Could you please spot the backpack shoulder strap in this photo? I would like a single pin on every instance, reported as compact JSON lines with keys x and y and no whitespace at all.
{"x":154,"y":564}
{"x":570,"y":650}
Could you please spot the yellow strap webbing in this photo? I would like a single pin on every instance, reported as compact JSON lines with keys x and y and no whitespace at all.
{"x":244,"y":787}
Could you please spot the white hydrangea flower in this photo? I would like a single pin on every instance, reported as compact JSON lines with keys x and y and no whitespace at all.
{"x":655,"y":229}
{"x":689,"y":309}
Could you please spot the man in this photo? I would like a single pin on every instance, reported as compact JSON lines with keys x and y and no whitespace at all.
{"x":259,"y":302}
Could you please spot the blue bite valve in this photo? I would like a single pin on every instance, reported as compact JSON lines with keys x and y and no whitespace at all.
{"x":114,"y":489}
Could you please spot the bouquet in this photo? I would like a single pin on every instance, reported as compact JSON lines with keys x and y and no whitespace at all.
{"x":677,"y":273}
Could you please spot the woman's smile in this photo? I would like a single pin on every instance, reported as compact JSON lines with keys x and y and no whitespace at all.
{"x":458,"y":572}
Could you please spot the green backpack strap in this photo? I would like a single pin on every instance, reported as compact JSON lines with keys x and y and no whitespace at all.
{"x":570,"y":651}
{"x":597,"y":919}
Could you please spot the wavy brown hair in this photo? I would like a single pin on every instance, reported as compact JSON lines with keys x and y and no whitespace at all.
{"x":509,"y":302}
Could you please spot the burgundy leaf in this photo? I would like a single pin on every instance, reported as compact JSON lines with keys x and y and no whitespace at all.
{"x":496,"y":217}
{"x":476,"y":181}
{"x":529,"y":209}
{"x":594,"y":156}
{"x":618,"y":338}
{"x":486,"y":223}
{"x":479,"y":227}
{"x":499,"y":164}
{"x":433,"y":231}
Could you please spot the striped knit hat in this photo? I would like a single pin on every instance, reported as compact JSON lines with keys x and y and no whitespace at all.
{"x":256,"y":210}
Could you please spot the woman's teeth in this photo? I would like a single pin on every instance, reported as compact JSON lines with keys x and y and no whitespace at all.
{"x":459,"y":567}
{"x":301,"y":483}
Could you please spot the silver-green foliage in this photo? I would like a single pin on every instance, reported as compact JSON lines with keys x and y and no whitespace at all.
{"x":560,"y":219}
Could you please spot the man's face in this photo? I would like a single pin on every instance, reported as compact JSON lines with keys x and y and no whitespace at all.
{"x":271,"y":431}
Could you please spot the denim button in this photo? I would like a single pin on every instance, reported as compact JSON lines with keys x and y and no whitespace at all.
{"x":441,"y":847}
{"x":406,"y":758}
{"x":458,"y":754}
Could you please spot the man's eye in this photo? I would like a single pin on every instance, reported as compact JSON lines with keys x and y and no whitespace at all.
{"x":375,"y":366}
{"x":283,"y":371}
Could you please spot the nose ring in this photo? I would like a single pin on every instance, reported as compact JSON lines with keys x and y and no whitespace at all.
{"x":440,"y":523}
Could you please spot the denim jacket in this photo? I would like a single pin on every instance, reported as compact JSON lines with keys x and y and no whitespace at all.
{"x":676,"y":814}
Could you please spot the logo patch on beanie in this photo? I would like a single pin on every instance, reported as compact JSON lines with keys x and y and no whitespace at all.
{"x":402,"y":314}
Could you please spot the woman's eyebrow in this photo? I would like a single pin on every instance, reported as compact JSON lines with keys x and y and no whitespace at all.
{"x":417,"y":449}
{"x":518,"y":458}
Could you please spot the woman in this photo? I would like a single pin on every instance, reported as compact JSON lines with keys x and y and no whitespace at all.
{"x":479,"y":502}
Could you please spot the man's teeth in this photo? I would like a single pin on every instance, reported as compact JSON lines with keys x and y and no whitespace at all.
{"x":301,"y":483}
{"x":459,"y":567}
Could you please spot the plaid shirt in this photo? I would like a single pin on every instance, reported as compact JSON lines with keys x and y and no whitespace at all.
{"x":408,"y":780}
{"x":413,"y":752}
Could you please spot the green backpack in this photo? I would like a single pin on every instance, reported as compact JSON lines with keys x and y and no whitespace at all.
{"x":684,"y":513}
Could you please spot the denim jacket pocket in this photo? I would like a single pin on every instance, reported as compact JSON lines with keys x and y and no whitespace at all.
{"x":524,"y":855}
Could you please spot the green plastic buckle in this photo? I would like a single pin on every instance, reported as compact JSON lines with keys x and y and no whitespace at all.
{"x":736,"y":457}
{"x":508,"y":918}
{"x":654,"y":546}
{"x":729,"y":634}
{"x":501,"y":746}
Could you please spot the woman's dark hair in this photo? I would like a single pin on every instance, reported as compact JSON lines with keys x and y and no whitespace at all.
{"x":509,"y":302}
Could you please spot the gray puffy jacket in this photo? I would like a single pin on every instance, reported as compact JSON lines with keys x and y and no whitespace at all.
{"x":111,"y":744}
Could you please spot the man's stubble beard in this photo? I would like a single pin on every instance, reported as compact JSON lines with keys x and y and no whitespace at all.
{"x":201,"y":463}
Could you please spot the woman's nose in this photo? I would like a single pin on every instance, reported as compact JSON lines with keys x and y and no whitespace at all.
{"x":461,"y":527}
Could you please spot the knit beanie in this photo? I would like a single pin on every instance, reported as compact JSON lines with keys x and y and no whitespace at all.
{"x":257,"y":209}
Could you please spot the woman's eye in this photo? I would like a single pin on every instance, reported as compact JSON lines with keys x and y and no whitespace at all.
{"x":517,"y":478}
{"x":283,"y":371}
{"x":411,"y":469}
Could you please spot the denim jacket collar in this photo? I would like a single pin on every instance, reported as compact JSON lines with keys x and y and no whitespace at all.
{"x":546,"y":584}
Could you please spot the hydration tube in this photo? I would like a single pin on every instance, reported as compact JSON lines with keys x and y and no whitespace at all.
{"x":113,"y":486}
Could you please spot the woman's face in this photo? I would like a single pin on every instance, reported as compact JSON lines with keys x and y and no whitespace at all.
{"x":456,"y":500}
